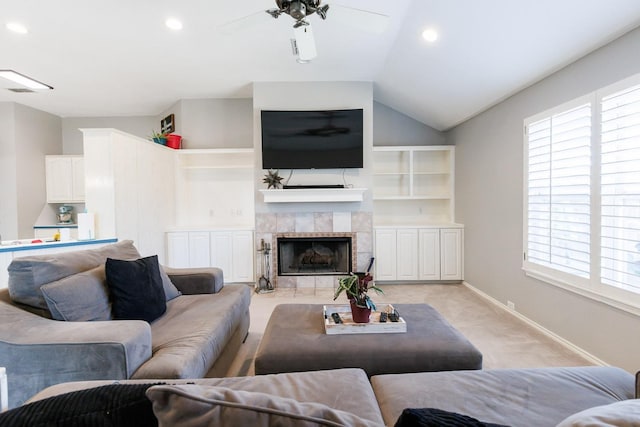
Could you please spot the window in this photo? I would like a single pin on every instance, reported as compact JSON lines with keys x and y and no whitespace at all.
{"x":582,"y":195}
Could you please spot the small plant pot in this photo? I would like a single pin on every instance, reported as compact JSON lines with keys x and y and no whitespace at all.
{"x":359,"y":314}
{"x":174,"y":141}
{"x":161,"y":141}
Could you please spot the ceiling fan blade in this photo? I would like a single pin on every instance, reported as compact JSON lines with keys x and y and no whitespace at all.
{"x":305,"y":43}
{"x":362,"y":19}
{"x":246,"y":22}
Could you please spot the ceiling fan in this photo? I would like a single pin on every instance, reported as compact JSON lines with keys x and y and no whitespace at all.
{"x":303,"y":43}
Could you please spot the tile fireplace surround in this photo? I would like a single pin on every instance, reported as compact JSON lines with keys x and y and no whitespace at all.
{"x":358,"y":225}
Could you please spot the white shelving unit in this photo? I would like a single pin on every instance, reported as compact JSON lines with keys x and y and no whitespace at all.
{"x":215,"y":186}
{"x":413,"y":184}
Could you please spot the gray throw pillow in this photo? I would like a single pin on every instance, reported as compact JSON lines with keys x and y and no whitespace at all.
{"x":170,"y":290}
{"x":79,"y":297}
{"x":192,"y":405}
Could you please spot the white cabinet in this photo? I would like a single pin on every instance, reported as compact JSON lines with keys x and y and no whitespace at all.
{"x":65,"y":179}
{"x":230,"y":250}
{"x":413,"y":184}
{"x":421,"y":253}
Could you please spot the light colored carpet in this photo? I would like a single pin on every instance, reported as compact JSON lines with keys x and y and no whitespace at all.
{"x":504,"y":340}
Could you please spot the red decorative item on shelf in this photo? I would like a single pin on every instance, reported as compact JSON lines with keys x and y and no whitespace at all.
{"x":174,"y":141}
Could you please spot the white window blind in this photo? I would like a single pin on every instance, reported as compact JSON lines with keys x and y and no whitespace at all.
{"x":559,"y":191}
{"x":620,"y":190}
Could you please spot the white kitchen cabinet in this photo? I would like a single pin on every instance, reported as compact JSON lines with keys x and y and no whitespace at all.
{"x":421,"y":253}
{"x":230,"y":250}
{"x":199,"y":249}
{"x":429,"y":253}
{"x":65,"y":179}
{"x":407,"y":254}
{"x":451,"y":254}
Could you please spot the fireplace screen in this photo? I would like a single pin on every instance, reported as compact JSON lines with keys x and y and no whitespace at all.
{"x":304,"y":256}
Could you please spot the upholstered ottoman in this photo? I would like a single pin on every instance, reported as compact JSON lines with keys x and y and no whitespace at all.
{"x":295,"y":340}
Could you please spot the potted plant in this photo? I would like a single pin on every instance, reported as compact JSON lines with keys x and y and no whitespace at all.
{"x":356,"y":286}
{"x":158,"y":137}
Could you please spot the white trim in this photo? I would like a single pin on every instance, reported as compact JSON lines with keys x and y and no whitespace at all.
{"x":557,"y":338}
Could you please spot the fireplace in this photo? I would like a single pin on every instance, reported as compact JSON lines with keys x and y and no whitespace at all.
{"x":314,"y":254}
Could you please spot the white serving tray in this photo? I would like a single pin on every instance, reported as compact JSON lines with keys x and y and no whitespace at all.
{"x":348,"y":326}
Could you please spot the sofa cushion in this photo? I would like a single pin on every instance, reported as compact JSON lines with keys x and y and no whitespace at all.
{"x":27,"y":274}
{"x":170,"y":290}
{"x":194,"y":331}
{"x":109,"y":405}
{"x":618,"y":414}
{"x":79,"y":297}
{"x":196,"y":405}
{"x":532,"y":397}
{"x":136,"y":289}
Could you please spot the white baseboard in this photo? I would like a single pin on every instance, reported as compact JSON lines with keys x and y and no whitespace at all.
{"x":593,"y":359}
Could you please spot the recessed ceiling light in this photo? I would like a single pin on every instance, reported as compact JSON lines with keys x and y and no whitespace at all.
{"x":23,"y":80}
{"x":17,"y":27}
{"x":430,"y":35}
{"x":174,"y":24}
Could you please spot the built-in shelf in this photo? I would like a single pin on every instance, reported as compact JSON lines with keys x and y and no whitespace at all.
{"x":312,"y":195}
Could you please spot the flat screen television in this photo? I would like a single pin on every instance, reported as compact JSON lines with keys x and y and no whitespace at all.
{"x":327,"y":139}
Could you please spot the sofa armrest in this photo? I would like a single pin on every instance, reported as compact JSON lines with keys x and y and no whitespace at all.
{"x":192,"y":281}
{"x":39,"y":352}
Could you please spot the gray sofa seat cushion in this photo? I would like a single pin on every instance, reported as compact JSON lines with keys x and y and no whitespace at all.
{"x":532,"y":397}
{"x":27,"y":274}
{"x":342,"y":389}
{"x":193,"y":332}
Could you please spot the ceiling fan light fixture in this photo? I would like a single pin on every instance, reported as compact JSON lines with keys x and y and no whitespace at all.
{"x":322,"y":11}
{"x":23,"y":80}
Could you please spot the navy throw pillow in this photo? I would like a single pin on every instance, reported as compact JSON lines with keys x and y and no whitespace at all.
{"x":123,"y":405}
{"x":136,"y":289}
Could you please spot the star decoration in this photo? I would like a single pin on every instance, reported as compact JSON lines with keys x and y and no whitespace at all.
{"x":272,"y":179}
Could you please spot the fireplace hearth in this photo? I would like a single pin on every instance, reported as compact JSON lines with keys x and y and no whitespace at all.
{"x":314,"y":255}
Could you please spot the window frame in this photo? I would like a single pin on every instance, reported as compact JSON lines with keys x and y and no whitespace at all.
{"x":593,"y":287}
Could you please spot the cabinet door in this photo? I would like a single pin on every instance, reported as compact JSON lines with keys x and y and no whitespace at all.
{"x":199,"y":251}
{"x":178,"y":250}
{"x":451,"y":254}
{"x":385,"y":246}
{"x":429,"y":254}
{"x":222,"y":253}
{"x":407,"y":254}
{"x":243,"y":256}
{"x":59,"y":179}
{"x":77,"y":179}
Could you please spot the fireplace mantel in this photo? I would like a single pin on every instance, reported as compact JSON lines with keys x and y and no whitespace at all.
{"x":310,"y":195}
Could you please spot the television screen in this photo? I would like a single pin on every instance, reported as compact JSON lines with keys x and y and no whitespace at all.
{"x":330,"y":139}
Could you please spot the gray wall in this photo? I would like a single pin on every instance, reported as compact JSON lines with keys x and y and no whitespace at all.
{"x":141,"y":126}
{"x":8,"y":168}
{"x":391,"y":127}
{"x":28,"y":136}
{"x":489,"y":201}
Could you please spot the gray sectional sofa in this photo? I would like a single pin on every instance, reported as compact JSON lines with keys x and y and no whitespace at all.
{"x":198,"y":335}
{"x":541,"y":397}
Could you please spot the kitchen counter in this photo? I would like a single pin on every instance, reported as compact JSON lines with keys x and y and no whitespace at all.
{"x":10,"y":249}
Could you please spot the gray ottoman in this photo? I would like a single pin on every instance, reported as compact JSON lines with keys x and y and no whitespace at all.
{"x":295,"y":341}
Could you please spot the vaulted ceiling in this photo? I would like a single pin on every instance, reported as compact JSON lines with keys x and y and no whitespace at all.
{"x":118,"y":58}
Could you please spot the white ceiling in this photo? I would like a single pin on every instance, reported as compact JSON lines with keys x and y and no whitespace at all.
{"x":117,"y":58}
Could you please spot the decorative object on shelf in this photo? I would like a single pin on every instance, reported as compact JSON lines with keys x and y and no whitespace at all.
{"x":168,"y":124}
{"x":356,"y":286}
{"x":174,"y":141}
{"x":158,"y":137}
{"x":272,"y":179}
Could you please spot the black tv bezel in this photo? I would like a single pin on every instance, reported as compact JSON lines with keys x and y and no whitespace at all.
{"x":337,"y":165}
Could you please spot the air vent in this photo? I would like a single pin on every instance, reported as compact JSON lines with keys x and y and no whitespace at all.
{"x":20,"y":90}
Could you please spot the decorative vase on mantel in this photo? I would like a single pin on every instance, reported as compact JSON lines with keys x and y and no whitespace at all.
{"x":359,"y":314}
